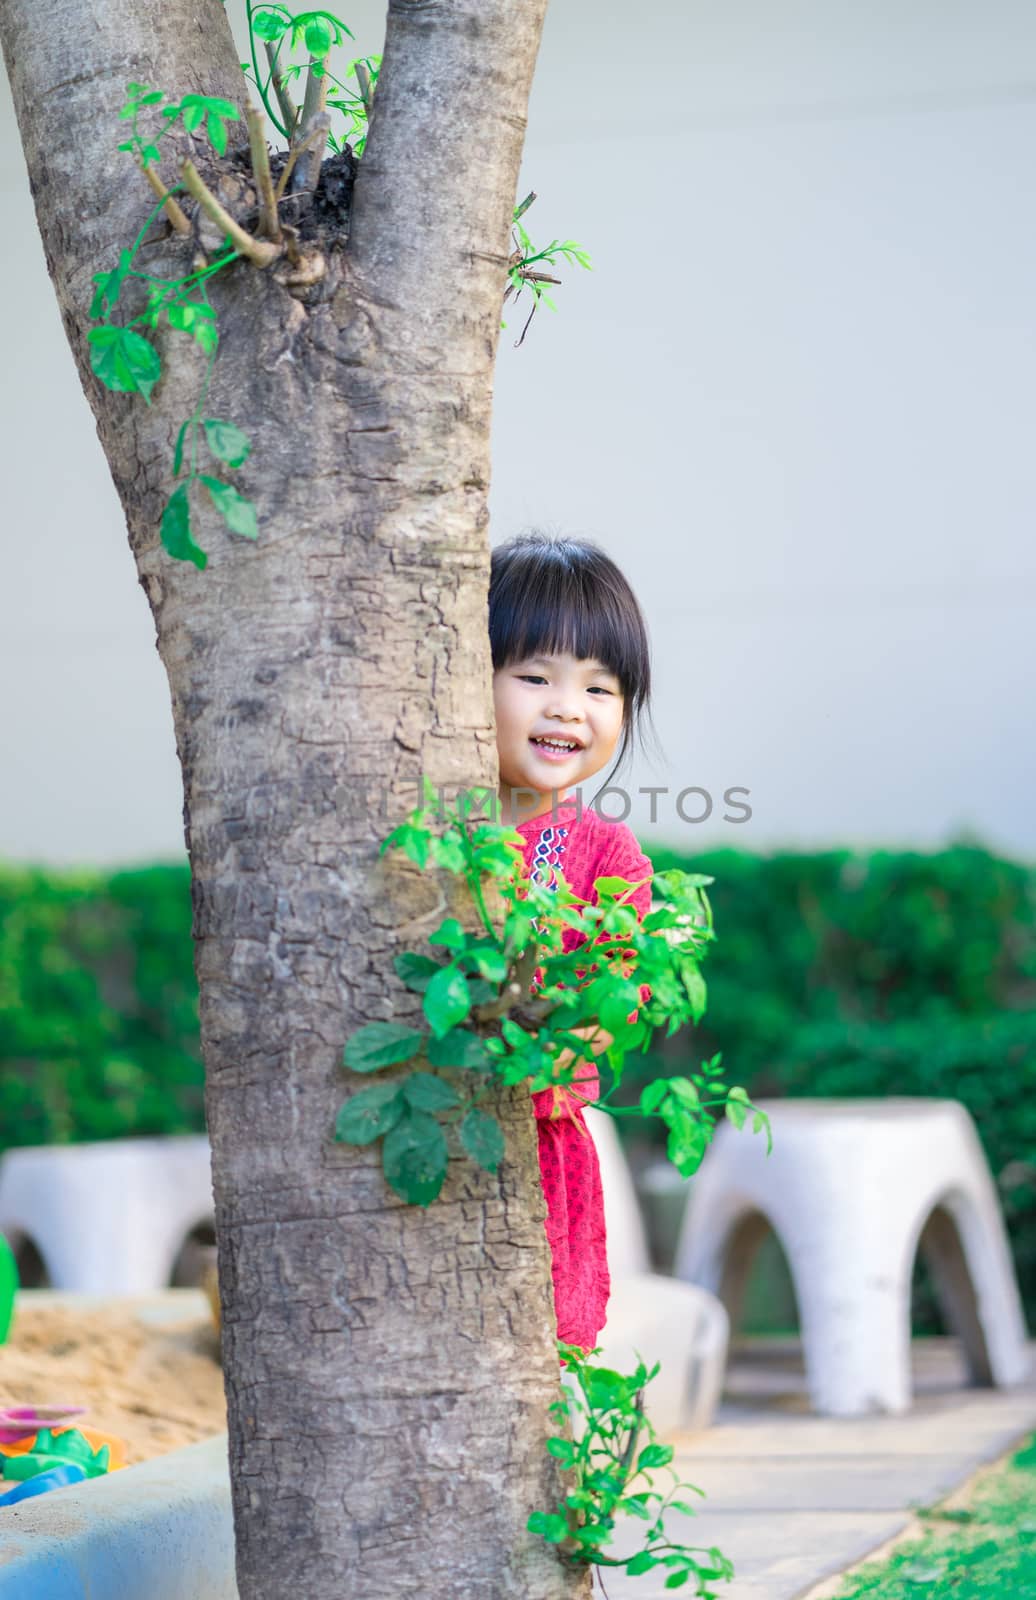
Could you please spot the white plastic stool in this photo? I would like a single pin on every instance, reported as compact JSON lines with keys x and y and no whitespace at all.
{"x":852,"y":1190}
{"x":111,"y":1217}
{"x":682,"y":1327}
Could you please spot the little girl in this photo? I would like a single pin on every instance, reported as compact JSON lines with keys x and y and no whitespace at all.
{"x":571,"y":673}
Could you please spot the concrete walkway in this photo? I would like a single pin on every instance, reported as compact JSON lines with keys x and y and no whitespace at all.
{"x":792,"y":1498}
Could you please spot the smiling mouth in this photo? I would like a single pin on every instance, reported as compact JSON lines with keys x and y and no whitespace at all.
{"x":558,"y":747}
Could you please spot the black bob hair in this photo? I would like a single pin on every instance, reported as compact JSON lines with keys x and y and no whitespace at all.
{"x":551,"y":595}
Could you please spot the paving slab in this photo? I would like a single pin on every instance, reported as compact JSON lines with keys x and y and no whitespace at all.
{"x":792,"y":1498}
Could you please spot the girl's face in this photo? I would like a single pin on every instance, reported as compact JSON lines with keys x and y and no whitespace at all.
{"x":576,"y":705}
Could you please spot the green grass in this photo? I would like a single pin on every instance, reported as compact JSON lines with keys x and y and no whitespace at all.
{"x":980,"y":1553}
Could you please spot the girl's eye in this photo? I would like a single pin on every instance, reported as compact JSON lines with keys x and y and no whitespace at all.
{"x":600,"y":689}
{"x":530,"y":677}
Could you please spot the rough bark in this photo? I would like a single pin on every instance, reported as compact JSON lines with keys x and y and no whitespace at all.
{"x":388,"y":1368}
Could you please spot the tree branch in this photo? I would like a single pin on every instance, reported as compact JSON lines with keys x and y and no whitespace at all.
{"x":446,"y":179}
{"x":307,"y":171}
{"x":363,"y":78}
{"x":295,"y":152}
{"x":269,"y":222}
{"x":257,"y":250}
{"x":289,"y":110}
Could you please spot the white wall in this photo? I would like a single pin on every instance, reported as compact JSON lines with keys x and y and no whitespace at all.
{"x":794,"y":399}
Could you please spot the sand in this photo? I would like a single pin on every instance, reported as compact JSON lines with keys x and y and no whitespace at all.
{"x":147,"y":1373}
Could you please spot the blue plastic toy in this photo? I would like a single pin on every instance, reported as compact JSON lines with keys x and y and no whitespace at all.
{"x":55,"y":1478}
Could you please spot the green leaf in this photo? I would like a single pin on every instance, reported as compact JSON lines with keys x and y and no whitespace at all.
{"x":415,"y":971}
{"x":176,"y":533}
{"x":124,"y":360}
{"x":605,"y":1388}
{"x":424,"y":1092}
{"x":737,"y":1106}
{"x":369,"y":1114}
{"x":563,"y":1449}
{"x":206,"y":335}
{"x":226,"y":441}
{"x":182,"y":314}
{"x":268,"y":25}
{"x":643,"y":1561}
{"x":676,"y":1580}
{"x":460,"y":1048}
{"x":415,"y":1158}
{"x":685,"y":1092}
{"x":193,"y":115}
{"x":483,"y":1139}
{"x":655,"y":1455}
{"x":412,"y":841}
{"x":549,"y":1524}
{"x":651,"y":1097}
{"x":449,"y":854}
{"x":694,"y":984}
{"x":109,"y":285}
{"x":447,"y":1000}
{"x":178,"y":451}
{"x":217,"y":130}
{"x":381,"y":1044}
{"x":688,"y":1141}
{"x":237,"y":512}
{"x":492,"y":964}
{"x":616,"y":887}
{"x":213,"y":102}
{"x":449,"y":933}
{"x":318,"y":37}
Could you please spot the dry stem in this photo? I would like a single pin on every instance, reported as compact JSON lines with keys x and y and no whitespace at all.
{"x":363,"y":78}
{"x":257,"y":250}
{"x":269,"y":222}
{"x":172,"y":208}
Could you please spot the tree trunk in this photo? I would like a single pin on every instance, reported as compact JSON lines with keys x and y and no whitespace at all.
{"x":388,"y":1367}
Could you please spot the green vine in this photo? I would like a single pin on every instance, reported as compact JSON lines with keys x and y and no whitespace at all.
{"x":122,"y":357}
{"x":606,"y":1462}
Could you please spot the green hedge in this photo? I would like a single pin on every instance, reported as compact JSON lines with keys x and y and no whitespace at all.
{"x":98,"y":1006}
{"x":833,"y":974}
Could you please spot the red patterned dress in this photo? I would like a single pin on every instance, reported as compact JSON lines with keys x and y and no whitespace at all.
{"x":585,"y":846}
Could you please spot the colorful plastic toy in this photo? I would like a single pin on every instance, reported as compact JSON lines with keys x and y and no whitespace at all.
{"x":55,"y":1478}
{"x":18,"y":1423}
{"x":8,"y":1287}
{"x":53,"y":1449}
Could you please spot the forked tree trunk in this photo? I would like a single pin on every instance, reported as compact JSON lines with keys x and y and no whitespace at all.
{"x":388,"y":1367}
